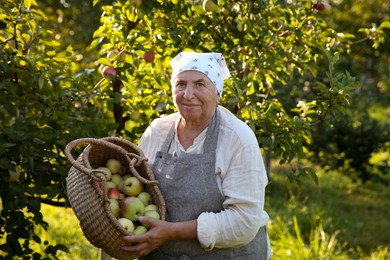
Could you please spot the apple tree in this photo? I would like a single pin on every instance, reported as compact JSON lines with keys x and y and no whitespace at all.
{"x":40,"y":111}
{"x":270,"y":46}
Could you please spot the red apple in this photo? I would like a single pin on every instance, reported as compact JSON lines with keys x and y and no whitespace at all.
{"x":109,"y":73}
{"x":113,"y":193}
{"x":149,"y":56}
{"x":132,"y":208}
{"x":322,"y":6}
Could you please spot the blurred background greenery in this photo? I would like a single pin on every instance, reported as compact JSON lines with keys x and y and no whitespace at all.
{"x":312,"y":84}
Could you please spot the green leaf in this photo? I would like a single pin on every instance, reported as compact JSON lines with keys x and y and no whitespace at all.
{"x":27,"y":4}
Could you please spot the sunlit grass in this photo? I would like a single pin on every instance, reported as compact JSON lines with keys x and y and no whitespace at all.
{"x":348,"y":217}
{"x":64,"y":228}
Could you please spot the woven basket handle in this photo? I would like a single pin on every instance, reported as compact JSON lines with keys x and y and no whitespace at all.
{"x":88,"y":141}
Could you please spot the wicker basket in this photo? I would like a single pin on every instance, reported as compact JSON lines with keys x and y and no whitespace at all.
{"x":86,"y":196}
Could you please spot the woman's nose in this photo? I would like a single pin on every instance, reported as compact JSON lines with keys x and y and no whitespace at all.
{"x":189,"y":92}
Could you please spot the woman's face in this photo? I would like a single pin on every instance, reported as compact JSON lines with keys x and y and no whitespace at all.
{"x":195,"y":96}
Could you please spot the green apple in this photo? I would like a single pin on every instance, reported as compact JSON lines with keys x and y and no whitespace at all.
{"x":152,"y":214}
{"x":110,"y":185}
{"x":124,"y":177}
{"x":132,"y":208}
{"x":145,"y":197}
{"x":126,"y":224}
{"x":151,"y":207}
{"x":140,"y":230}
{"x":112,"y":55}
{"x":122,"y":170}
{"x":210,"y":6}
{"x":114,"y":206}
{"x":114,"y":165}
{"x":106,"y":172}
{"x":132,"y":186}
{"x":117,"y":179}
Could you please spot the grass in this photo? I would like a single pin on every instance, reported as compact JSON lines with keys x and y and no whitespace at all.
{"x":64,"y":228}
{"x":339,"y":219}
{"x":351,"y":215}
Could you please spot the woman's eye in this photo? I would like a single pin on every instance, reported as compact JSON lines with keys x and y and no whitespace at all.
{"x":180,"y":85}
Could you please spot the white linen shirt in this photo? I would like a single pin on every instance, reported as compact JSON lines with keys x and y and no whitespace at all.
{"x":240,"y":175}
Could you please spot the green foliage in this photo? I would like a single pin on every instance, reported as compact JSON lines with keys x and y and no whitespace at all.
{"x":289,"y":70}
{"x":38,"y":117}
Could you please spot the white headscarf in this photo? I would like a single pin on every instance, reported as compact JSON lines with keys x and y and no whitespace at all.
{"x":211,"y":64}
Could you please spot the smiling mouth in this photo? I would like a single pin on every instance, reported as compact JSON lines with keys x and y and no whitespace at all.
{"x":190,"y":105}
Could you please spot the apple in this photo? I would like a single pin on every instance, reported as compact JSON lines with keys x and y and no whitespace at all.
{"x":113,"y":193}
{"x":109,"y":72}
{"x":322,"y":6}
{"x":151,"y":207}
{"x":136,"y":2}
{"x":152,"y":214}
{"x":122,"y":170}
{"x":126,"y":224}
{"x":110,"y":185}
{"x":114,"y":165}
{"x":139,"y":230}
{"x":226,"y":11}
{"x":122,"y":196}
{"x":106,"y":172}
{"x":149,"y":56}
{"x":124,"y":177}
{"x":111,"y":55}
{"x":209,"y":6}
{"x":117,"y":179}
{"x":114,"y":206}
{"x":132,"y":208}
{"x":132,"y":186}
{"x":145,"y":197}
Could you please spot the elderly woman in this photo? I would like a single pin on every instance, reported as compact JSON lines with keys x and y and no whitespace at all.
{"x":210,"y":172}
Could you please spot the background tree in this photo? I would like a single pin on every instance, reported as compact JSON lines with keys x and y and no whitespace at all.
{"x":290,"y":80}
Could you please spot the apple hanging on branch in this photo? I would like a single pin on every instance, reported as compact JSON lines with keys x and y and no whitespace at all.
{"x":322,"y":6}
{"x":109,"y":72}
{"x":149,"y":56}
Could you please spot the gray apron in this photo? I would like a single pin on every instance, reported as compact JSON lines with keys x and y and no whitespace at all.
{"x":188,"y":184}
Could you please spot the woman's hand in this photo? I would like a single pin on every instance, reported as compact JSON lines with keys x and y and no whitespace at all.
{"x":159,"y":233}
